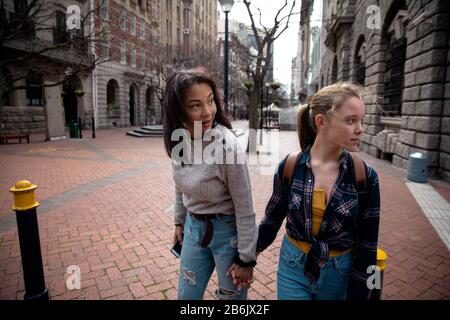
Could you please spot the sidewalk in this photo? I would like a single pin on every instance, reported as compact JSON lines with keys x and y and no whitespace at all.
{"x":106,"y":207}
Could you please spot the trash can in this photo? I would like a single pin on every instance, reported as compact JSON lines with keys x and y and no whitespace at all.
{"x":73,"y":129}
{"x":417,"y":169}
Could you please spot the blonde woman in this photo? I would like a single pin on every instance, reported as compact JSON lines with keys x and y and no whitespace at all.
{"x":331,"y":228}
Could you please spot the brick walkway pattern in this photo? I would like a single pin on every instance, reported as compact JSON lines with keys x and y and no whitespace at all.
{"x":105,"y":207}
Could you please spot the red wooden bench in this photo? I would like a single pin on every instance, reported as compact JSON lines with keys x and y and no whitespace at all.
{"x":4,"y":138}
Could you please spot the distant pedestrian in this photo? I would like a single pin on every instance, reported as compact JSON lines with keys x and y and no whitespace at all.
{"x":213,"y":203}
{"x":331,"y":201}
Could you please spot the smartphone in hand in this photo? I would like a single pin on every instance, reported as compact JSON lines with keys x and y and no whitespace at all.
{"x":176,"y":249}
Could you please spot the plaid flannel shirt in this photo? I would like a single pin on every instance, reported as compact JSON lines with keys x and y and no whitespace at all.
{"x":345,"y":224}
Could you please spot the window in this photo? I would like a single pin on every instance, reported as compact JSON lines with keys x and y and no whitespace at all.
{"x":143,"y":29}
{"x":34,"y":90}
{"x":60,"y":32}
{"x":104,"y":51}
{"x":186,"y":18}
{"x":394,"y":76}
{"x":143,"y":58}
{"x":133,"y":25}
{"x":123,"y":17}
{"x":186,"y":49}
{"x":167,"y":28}
{"x":360,"y":65}
{"x":334,"y":70}
{"x":178,"y":15}
{"x":154,"y":11}
{"x":112,"y":99}
{"x":104,"y":9}
{"x":133,"y":56}
{"x":111,"y":90}
{"x":123,"y":52}
{"x":21,"y":13}
{"x":8,"y":97}
{"x":20,"y":7}
{"x":104,"y":45}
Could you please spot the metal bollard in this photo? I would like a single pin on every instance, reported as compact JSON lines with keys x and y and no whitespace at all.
{"x":80,"y":123}
{"x":30,"y":247}
{"x":381,"y":263}
{"x":93,"y":128}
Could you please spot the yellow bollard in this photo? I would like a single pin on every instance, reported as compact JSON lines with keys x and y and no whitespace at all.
{"x":25,"y":205}
{"x":24,"y":196}
{"x":382,"y":264}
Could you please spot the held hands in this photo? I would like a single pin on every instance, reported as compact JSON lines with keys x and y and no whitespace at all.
{"x":242,"y":276}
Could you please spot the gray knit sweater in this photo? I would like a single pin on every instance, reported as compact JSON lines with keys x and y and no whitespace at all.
{"x":225,"y":188}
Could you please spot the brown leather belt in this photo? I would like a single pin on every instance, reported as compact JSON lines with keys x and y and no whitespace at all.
{"x":207,"y":216}
{"x":209,"y":230}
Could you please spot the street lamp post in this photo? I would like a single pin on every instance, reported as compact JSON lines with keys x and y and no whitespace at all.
{"x":261,"y":116}
{"x":226,"y":7}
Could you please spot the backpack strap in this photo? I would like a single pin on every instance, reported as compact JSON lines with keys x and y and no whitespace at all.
{"x":359,"y":173}
{"x":359,"y":169}
{"x":289,"y":168}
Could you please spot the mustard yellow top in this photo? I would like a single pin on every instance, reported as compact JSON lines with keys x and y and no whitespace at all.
{"x":318,"y":209}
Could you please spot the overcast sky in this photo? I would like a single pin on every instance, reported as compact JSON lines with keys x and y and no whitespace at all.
{"x":285,"y":47}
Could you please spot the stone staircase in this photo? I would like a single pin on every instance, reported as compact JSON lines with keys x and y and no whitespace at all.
{"x":151,"y":131}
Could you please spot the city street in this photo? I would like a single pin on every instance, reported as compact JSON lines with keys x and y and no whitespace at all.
{"x":106,"y":206}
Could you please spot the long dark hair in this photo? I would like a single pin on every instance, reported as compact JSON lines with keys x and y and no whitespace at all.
{"x":176,"y":88}
{"x":322,"y":102}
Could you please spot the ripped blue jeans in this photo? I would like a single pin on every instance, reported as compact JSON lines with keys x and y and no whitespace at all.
{"x":197,"y":263}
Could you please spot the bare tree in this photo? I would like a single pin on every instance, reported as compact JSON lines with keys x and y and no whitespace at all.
{"x":162,"y":65}
{"x":166,"y":60}
{"x":240,"y":68}
{"x":21,"y":43}
{"x":264,"y":37}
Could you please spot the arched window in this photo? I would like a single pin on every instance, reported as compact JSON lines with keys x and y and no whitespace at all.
{"x":360,"y":61}
{"x":112,"y":90}
{"x":112,"y":99}
{"x":395,"y":41}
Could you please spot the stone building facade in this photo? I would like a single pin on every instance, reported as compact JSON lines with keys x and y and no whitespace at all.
{"x":144,"y":32}
{"x":189,"y":29}
{"x":44,"y":103}
{"x":123,"y":83}
{"x":399,"y":51}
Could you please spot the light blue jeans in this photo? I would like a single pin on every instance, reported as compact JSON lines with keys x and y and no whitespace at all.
{"x":197,"y":263}
{"x":292,"y":284}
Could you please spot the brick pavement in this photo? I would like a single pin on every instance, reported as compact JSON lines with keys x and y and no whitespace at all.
{"x":105,"y":207}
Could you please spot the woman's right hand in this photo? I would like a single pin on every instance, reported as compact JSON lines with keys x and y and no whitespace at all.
{"x":178,"y":235}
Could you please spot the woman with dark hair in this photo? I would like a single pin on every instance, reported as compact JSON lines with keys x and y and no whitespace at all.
{"x":331,"y":201}
{"x":214,"y":215}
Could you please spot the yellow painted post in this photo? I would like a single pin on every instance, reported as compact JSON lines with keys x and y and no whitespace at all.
{"x":25,"y":205}
{"x":382,"y":264}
